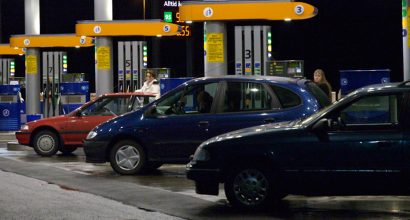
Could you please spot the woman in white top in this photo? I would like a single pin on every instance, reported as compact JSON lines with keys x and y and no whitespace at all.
{"x":151,"y":84}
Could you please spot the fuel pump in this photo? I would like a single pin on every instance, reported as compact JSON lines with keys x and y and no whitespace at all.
{"x":253,"y":48}
{"x":9,"y":107}
{"x":74,"y":92}
{"x":21,"y":81}
{"x":73,"y":95}
{"x":7,"y":70}
{"x":53,"y":66}
{"x":132,"y":58}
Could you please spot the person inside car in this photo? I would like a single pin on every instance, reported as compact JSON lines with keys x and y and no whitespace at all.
{"x":204,"y":102}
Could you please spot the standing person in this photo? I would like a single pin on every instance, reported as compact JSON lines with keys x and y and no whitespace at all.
{"x":151,"y":84}
{"x":320,"y":79}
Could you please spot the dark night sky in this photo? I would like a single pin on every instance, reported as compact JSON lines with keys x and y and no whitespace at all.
{"x":346,"y":34}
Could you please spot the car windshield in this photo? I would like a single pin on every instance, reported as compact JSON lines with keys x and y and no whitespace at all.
{"x":113,"y":105}
{"x":311,"y":118}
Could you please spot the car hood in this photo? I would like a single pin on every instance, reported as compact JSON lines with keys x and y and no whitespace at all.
{"x":256,"y":130}
{"x":47,"y":120}
{"x":119,"y":123}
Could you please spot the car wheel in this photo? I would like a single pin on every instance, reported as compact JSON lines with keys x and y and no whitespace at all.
{"x":127,"y":158}
{"x":65,"y":150}
{"x":249,"y":188}
{"x":46,"y":143}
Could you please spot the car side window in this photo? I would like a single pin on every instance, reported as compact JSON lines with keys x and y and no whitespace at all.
{"x":107,"y":106}
{"x":196,"y":99}
{"x":371,"y":110}
{"x":245,"y":96}
{"x":139,"y":102}
{"x":287,"y":98}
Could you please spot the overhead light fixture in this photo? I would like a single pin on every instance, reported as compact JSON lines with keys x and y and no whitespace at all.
{"x":188,"y":22}
{"x":288,"y":19}
{"x":77,"y":46}
{"x":159,"y":35}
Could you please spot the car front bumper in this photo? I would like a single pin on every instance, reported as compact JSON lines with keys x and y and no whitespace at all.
{"x":206,"y":180}
{"x":23,"y":137}
{"x":95,"y":151}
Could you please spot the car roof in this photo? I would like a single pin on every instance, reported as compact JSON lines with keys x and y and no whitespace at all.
{"x":385,"y":87}
{"x":130,"y":94}
{"x":275,"y":79}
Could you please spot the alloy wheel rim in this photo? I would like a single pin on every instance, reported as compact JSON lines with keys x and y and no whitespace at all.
{"x":46,"y":143}
{"x":250,"y":187}
{"x":127,"y":157}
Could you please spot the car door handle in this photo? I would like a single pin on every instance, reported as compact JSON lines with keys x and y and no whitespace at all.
{"x":269,"y":120}
{"x":141,"y":130}
{"x":384,"y":144}
{"x":203,"y":123}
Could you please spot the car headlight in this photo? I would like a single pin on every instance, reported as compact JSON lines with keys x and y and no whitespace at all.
{"x":24,"y":127}
{"x":91,"y":135}
{"x":201,"y":154}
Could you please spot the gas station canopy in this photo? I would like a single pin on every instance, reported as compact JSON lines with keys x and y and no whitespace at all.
{"x":126,"y":28}
{"x":245,"y":10}
{"x":6,"y":49}
{"x":50,"y":40}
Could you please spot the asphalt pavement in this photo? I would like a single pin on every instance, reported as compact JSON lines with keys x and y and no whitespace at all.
{"x":65,"y":187}
{"x":27,"y":198}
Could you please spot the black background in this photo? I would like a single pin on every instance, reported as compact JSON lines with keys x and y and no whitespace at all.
{"x":346,"y":34}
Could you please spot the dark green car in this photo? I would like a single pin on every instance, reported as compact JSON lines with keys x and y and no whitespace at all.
{"x":360,"y":145}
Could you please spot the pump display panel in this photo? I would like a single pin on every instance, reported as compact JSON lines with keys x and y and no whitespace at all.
{"x":8,"y":98}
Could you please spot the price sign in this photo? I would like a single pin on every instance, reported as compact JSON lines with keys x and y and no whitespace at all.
{"x":171,"y":15}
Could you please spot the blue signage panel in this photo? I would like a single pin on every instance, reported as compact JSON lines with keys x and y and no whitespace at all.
{"x":354,"y":79}
{"x":167,"y":84}
{"x":9,"y":107}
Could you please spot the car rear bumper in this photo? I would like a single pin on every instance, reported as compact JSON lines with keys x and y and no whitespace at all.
{"x":95,"y":151}
{"x":206,"y":180}
{"x":23,"y":137}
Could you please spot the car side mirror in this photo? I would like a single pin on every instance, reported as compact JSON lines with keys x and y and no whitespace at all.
{"x":336,"y":124}
{"x":321,"y":127}
{"x":78,"y":113}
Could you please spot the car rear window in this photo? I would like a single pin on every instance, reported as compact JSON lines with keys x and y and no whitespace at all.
{"x":286,"y":97}
{"x":318,"y":93}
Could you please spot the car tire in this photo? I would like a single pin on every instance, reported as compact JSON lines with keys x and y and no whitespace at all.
{"x":46,"y":143}
{"x":250,"y":188}
{"x":128,"y":157}
{"x":66,"y":150}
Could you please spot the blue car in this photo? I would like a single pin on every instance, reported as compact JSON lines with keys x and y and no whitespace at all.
{"x":170,"y":129}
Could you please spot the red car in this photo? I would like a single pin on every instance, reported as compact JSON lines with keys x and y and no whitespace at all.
{"x":66,"y":132}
